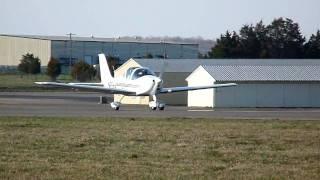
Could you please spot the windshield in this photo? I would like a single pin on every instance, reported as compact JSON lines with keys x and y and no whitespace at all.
{"x":141,"y":72}
{"x":129,"y":72}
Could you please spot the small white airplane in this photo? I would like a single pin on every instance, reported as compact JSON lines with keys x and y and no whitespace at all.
{"x":138,"y":81}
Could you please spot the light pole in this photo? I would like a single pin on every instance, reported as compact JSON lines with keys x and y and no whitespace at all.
{"x":164,"y":49}
{"x":70,"y":50}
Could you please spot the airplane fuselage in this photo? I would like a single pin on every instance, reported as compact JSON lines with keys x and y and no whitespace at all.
{"x":143,"y":86}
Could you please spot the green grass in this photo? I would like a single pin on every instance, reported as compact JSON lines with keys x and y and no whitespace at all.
{"x":120,"y":148}
{"x":15,"y":82}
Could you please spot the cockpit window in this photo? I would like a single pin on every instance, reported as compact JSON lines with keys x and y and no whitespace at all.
{"x":129,"y":72}
{"x":137,"y":73}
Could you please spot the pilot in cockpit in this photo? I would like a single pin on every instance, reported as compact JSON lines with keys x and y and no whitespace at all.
{"x":135,"y":72}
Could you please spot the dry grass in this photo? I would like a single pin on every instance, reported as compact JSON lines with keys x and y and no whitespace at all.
{"x":73,"y":148}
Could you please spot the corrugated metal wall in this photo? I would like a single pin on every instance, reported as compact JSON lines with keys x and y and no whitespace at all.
{"x":174,"y":79}
{"x":12,"y":49}
{"x":269,"y":95}
{"x":123,"y":50}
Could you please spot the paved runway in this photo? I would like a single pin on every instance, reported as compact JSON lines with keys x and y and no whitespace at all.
{"x":82,"y":104}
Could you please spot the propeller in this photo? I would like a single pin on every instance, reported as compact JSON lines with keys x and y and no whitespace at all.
{"x":158,"y":83}
{"x":163,"y":66}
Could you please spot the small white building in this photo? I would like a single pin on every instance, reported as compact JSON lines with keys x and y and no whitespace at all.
{"x":277,"y":85}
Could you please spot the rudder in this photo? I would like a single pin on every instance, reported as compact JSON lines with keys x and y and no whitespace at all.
{"x":105,"y":73}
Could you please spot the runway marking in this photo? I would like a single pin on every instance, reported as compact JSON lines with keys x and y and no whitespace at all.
{"x":257,"y":111}
{"x":199,"y":110}
{"x":267,"y":111}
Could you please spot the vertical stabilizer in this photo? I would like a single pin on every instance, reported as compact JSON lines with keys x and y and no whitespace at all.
{"x":104,"y":70}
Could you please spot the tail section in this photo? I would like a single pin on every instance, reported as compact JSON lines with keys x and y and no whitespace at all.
{"x":104,"y":70}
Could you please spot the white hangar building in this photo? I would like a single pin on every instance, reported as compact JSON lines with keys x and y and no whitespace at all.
{"x":258,"y":85}
{"x":262,"y":82}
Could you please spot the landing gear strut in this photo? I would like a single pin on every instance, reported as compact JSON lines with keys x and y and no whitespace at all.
{"x":155,"y":104}
{"x":116,"y":105}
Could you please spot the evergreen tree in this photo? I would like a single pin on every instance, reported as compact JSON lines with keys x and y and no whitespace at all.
{"x":312,"y":47}
{"x":261,"y":33}
{"x":253,"y":41}
{"x":284,"y":39}
{"x":250,"y":43}
{"x":227,"y":46}
{"x":281,"y":39}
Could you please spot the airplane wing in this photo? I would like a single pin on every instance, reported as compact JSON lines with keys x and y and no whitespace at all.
{"x":89,"y":87}
{"x":191,"y":88}
{"x":87,"y":84}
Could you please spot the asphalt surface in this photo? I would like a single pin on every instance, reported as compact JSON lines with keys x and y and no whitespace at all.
{"x":83,"y":104}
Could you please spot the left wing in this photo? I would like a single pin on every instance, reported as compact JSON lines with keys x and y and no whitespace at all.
{"x":91,"y":87}
{"x":191,"y":88}
{"x":87,"y":84}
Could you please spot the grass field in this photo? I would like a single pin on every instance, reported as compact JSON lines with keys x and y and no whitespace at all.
{"x":15,"y":82}
{"x":100,"y":148}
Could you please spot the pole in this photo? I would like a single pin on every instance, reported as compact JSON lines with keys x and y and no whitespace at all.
{"x":70,"y":51}
{"x":164,"y":49}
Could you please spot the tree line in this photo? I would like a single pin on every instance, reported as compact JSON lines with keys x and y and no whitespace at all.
{"x":281,"y":39}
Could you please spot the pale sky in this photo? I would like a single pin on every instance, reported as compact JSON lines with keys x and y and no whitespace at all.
{"x":186,"y":18}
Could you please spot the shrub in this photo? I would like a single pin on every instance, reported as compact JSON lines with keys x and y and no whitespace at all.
{"x":53,"y":69}
{"x":29,"y":64}
{"x":81,"y":71}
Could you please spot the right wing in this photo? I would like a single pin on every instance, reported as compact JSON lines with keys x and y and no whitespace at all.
{"x":95,"y":87}
{"x":192,"y":88}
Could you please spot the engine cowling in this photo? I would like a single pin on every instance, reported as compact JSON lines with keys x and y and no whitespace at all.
{"x":148,"y":85}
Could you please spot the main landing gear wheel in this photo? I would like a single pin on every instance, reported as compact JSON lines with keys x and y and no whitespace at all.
{"x":154,"y":105}
{"x":161,"y":109}
{"x":115,"y":105}
{"x":161,"y":106}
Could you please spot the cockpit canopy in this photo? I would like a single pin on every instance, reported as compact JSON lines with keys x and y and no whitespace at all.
{"x":136,"y":72}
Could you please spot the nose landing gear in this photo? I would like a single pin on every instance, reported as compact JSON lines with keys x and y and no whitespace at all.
{"x":155,"y":104}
